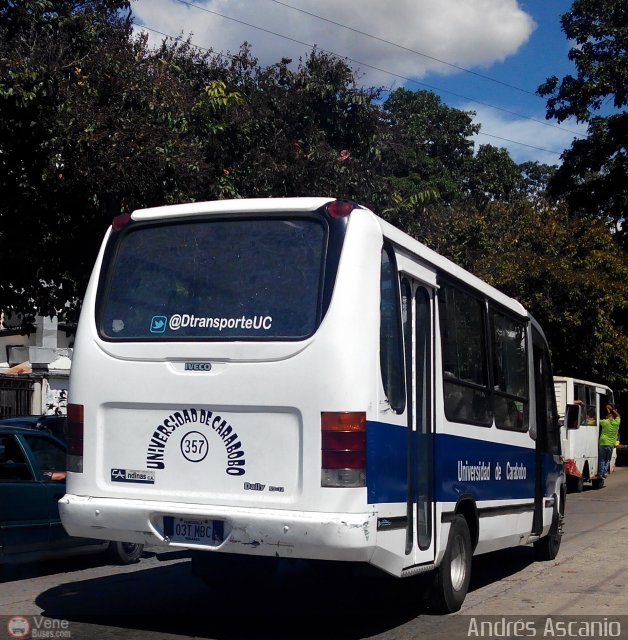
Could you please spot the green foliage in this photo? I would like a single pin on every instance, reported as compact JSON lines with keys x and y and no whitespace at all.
{"x":535,"y":178}
{"x":429,"y":145}
{"x":40,"y":44}
{"x":495,"y":176}
{"x":599,"y":30}
{"x":594,"y":174}
{"x":573,"y":279}
{"x":94,"y":123}
{"x":301,"y":132}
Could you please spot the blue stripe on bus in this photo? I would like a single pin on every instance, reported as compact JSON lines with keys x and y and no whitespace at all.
{"x":482,"y":469}
{"x":386,"y":462}
{"x":486,"y":470}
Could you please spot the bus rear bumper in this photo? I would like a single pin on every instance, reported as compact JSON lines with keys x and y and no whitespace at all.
{"x":252,"y":531}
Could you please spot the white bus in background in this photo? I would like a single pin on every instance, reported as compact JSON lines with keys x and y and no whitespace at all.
{"x":273,"y":379}
{"x":580,"y":439}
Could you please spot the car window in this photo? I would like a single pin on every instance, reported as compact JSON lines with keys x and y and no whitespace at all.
{"x":50,"y":456}
{"x":13,"y":463}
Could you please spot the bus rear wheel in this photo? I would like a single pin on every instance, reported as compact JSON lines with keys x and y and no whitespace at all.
{"x":575,"y":484}
{"x":451,"y":579}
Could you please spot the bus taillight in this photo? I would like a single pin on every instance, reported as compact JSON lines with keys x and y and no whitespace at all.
{"x":343,"y":449}
{"x":75,"y":438}
{"x":340,"y":208}
{"x":121,"y":221}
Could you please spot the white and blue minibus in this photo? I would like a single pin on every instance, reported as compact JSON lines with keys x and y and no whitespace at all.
{"x":296,"y":378}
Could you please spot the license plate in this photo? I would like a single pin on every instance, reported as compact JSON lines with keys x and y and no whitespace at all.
{"x":194,"y":531}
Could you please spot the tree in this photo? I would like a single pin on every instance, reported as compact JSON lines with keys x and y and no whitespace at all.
{"x":594,"y":173}
{"x":536,"y":177}
{"x":304,"y":131}
{"x":429,"y":147}
{"x":93,"y":124}
{"x":572,"y":279}
{"x":494,"y":176}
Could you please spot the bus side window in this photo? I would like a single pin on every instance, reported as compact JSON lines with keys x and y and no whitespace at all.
{"x":590,"y":410}
{"x":464,"y":349}
{"x":580,"y":397}
{"x":390,"y":338}
{"x":510,"y":372}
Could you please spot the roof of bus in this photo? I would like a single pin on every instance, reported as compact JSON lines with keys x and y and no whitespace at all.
{"x":599,"y":385}
{"x":398,"y":237}
{"x":444,"y":264}
{"x":241,"y":205}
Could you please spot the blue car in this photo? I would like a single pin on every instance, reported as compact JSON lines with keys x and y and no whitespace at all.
{"x":32,"y":480}
{"x":56,"y":425}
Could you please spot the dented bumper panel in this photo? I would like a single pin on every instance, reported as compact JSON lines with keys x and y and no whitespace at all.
{"x":264,"y":532}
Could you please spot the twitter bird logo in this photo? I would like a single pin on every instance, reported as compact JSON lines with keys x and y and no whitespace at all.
{"x":158,"y":324}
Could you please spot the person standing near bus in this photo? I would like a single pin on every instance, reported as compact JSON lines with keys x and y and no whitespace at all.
{"x":609,"y":428}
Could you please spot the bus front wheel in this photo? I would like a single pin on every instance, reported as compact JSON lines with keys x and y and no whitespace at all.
{"x":125,"y":552}
{"x":547,"y":547}
{"x":451,"y":578}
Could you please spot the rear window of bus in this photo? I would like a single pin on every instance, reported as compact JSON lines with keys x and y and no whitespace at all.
{"x":214,"y":279}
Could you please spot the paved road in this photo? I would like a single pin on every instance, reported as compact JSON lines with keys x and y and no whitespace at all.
{"x":158,"y":599}
{"x":590,"y":574}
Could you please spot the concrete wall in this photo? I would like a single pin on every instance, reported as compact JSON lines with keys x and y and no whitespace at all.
{"x":43,"y":356}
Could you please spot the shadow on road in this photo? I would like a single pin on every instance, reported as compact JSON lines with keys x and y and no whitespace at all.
{"x":67,"y":562}
{"x":300,"y":600}
{"x":496,"y":566}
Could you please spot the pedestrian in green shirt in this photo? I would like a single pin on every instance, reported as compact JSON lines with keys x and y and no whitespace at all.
{"x":609,"y":428}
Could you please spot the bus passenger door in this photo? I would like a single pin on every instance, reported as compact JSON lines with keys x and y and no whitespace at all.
{"x":417,"y":313}
{"x":547,"y":450}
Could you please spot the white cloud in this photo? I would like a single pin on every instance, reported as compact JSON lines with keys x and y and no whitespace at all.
{"x":538,"y":137}
{"x":467,"y":34}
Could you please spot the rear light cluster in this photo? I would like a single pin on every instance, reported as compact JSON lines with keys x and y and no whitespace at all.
{"x":75,"y":438}
{"x":343,"y":449}
{"x":340,"y":208}
{"x":121,"y":221}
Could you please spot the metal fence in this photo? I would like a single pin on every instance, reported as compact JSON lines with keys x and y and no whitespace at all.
{"x":15,"y":396}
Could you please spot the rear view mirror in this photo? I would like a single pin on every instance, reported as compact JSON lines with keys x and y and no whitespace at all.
{"x":573,"y":416}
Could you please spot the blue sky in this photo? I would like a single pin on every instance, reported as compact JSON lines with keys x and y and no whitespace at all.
{"x":510,"y":41}
{"x":544,"y":54}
